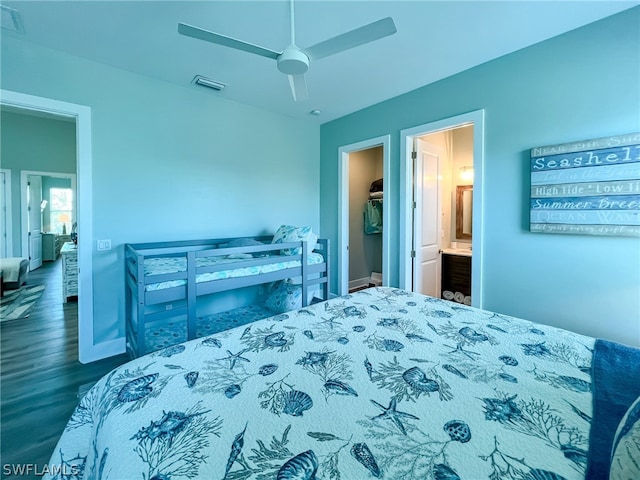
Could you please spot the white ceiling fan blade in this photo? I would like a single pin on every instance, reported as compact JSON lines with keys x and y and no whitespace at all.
{"x":359,"y":36}
{"x":298,"y":86}
{"x":207,"y":36}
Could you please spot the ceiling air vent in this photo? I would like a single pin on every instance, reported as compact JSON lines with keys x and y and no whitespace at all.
{"x":206,"y":82}
{"x":11,"y":19}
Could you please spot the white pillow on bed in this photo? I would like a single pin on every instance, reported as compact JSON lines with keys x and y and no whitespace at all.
{"x":239,"y":256}
{"x":625,"y":456}
{"x":289,"y":233}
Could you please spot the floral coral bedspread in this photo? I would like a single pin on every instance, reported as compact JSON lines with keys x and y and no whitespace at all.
{"x":382,"y":383}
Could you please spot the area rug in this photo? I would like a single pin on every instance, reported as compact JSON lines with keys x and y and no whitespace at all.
{"x":17,"y":303}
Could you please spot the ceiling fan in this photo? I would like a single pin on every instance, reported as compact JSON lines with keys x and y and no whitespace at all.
{"x":293,"y":60}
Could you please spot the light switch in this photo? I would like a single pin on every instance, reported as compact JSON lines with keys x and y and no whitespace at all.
{"x":104,"y":245}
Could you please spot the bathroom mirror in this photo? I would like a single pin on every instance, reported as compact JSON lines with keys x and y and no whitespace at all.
{"x":464,"y":213}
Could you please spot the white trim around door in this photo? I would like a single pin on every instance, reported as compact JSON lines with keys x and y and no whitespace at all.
{"x":343,"y":207}
{"x":406,"y":197}
{"x":7,"y":215}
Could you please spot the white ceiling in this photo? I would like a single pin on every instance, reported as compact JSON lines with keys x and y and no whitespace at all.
{"x":434,"y":40}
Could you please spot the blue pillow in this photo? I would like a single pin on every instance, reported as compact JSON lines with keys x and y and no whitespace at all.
{"x":615,"y":379}
{"x":625,"y":455}
{"x":284,"y":297}
{"x":244,"y":242}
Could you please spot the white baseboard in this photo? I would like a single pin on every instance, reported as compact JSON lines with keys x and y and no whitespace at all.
{"x":103,"y":350}
{"x":360,"y":282}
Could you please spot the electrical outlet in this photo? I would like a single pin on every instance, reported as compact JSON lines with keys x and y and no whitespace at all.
{"x":104,"y":245}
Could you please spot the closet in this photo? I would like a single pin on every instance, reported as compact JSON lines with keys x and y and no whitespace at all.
{"x":366,"y":204}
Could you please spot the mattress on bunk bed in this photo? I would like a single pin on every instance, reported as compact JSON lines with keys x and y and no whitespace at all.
{"x":164,"y":265}
{"x":176,"y":331}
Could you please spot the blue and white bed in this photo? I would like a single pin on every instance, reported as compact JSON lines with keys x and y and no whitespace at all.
{"x":164,"y":280}
{"x":382,"y":383}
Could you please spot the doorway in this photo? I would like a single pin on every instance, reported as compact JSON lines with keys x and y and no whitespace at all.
{"x":37,"y":206}
{"x":87,"y":351}
{"x":370,"y":156}
{"x":426,"y":218}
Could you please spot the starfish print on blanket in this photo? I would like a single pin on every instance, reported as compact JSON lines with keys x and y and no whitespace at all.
{"x":390,"y":413}
{"x":234,"y":358}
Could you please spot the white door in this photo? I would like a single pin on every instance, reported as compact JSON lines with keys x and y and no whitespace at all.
{"x":427,"y":219}
{"x":34,"y":198}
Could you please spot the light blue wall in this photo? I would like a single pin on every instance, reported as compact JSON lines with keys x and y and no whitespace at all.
{"x":37,"y":144}
{"x":584,"y":84}
{"x":171,"y":163}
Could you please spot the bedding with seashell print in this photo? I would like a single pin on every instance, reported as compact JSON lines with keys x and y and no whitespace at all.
{"x":382,"y":383}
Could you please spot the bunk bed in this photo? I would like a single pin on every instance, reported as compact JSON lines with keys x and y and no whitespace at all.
{"x":164,"y":280}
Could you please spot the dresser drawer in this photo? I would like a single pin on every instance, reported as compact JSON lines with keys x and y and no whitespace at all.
{"x":71,"y":289}
{"x":71,"y":266}
{"x":69,"y":254}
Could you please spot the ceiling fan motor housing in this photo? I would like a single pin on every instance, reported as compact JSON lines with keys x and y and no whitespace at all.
{"x":293,"y":61}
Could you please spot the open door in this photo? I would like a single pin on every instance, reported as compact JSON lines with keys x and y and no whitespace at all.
{"x":427,"y":219}
{"x":410,"y":266}
{"x":34,"y":221}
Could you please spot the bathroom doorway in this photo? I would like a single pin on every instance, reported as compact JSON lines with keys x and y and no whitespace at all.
{"x":363,"y":248}
{"x":436,"y":159}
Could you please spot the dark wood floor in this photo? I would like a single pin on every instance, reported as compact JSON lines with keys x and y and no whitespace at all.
{"x":40,"y":375}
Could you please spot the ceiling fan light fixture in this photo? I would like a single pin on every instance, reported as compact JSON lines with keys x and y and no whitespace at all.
{"x":207,"y":82}
{"x":293,"y":61}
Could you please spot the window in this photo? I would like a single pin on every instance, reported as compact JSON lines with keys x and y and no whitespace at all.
{"x":61,"y":213}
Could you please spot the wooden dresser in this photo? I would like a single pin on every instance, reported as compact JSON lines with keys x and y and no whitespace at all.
{"x":69,"y":254}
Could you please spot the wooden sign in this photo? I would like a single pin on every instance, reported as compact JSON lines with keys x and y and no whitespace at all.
{"x":590,"y":187}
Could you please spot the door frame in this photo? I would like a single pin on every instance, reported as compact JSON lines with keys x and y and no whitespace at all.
{"x":343,"y":207}
{"x":475,"y":118}
{"x":8,"y":213}
{"x":24,"y":178}
{"x":87,"y":352}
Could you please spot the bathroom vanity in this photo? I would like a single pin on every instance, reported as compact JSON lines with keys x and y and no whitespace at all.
{"x":456,"y":275}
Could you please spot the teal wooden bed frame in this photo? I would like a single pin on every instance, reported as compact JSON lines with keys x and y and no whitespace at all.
{"x":144,"y":309}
